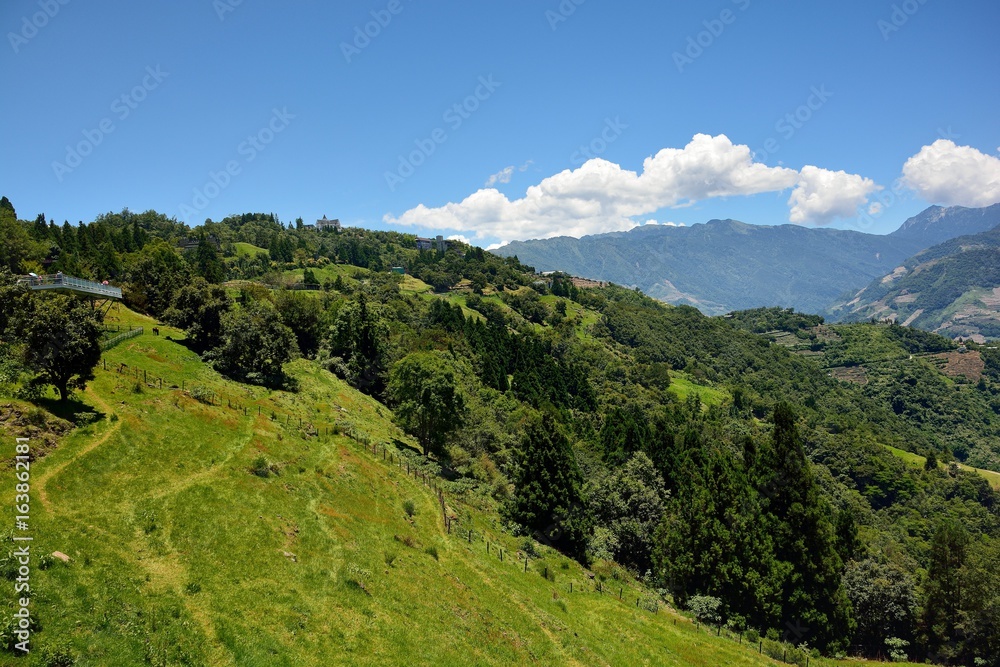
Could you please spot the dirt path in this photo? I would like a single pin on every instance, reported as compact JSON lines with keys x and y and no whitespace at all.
{"x":43,"y":479}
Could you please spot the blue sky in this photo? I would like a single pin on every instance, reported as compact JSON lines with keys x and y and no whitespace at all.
{"x":204,"y":108}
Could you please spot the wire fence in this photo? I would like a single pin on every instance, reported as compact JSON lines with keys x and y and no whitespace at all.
{"x":111,"y":342}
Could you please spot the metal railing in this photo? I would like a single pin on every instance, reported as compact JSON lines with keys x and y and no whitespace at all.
{"x":58,"y":281}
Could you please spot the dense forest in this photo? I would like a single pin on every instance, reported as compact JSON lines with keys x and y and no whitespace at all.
{"x":729,"y":472}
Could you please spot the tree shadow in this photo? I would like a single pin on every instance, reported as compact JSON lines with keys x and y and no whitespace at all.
{"x":400,"y":445}
{"x":72,"y":410}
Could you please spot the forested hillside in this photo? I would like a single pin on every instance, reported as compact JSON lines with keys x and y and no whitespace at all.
{"x":952,"y":288}
{"x":733,"y":475}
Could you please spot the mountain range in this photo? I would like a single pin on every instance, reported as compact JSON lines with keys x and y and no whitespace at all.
{"x":726,"y":265}
{"x":952,"y":288}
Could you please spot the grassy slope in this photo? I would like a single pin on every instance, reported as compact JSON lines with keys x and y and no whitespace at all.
{"x":248,"y":250}
{"x":181,"y":555}
{"x":917,"y":461}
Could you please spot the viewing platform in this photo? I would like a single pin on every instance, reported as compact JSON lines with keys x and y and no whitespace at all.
{"x":62,"y":283}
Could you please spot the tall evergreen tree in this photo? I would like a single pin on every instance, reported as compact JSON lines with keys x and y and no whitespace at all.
{"x":548,"y":500}
{"x":815,"y":607}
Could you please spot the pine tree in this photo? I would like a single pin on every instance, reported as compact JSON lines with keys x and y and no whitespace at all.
{"x":815,"y":607}
{"x":548,"y":500}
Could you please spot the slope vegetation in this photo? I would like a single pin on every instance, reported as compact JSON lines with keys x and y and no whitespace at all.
{"x":204,"y":525}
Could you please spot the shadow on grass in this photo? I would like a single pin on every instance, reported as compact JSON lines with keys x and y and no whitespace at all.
{"x":72,"y":410}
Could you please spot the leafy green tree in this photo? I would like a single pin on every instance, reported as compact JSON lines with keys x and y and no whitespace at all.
{"x":198,"y":308}
{"x":428,"y":402}
{"x":152,"y":276}
{"x":303,"y":314}
{"x":255,"y":345}
{"x":884,"y":602}
{"x":359,"y":335}
{"x":17,"y":247}
{"x":629,"y":505}
{"x":980,"y":616}
{"x":62,"y":342}
{"x":548,"y":500}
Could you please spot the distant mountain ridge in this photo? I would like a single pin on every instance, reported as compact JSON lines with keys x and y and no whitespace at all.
{"x":726,"y":265}
{"x":937,"y":224}
{"x":952,"y":289}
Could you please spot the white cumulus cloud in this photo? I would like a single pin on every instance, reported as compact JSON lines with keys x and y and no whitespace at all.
{"x":945,"y":173}
{"x":601,"y":196}
{"x":822,"y":195}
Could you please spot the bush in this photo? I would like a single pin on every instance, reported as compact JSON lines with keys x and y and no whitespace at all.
{"x":262,"y":468}
{"x":410,"y":508}
{"x":201,"y":394}
{"x":896,"y":648}
{"x":706,"y":608}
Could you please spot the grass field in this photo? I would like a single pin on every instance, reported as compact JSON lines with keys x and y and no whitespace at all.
{"x":228,"y":534}
{"x":248,"y":250}
{"x":683,"y":387}
{"x":918,"y":461}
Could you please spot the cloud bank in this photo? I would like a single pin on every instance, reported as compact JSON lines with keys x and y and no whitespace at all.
{"x":600,"y":196}
{"x":945,"y":173}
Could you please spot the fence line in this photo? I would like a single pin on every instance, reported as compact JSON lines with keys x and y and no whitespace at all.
{"x":110,"y":343}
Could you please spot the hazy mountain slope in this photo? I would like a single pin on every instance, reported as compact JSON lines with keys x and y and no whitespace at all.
{"x":938,"y":224}
{"x":952,"y":288}
{"x":725,"y":265}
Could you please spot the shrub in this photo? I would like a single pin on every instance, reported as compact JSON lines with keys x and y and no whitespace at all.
{"x":896,"y":648}
{"x":201,"y":394}
{"x":262,"y":468}
{"x":706,"y":608}
{"x":410,"y":508}
{"x":529,"y":547}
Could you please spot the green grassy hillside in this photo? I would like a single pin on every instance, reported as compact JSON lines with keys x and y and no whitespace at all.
{"x":219,"y":531}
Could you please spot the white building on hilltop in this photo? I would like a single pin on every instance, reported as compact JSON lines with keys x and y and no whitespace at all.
{"x":324,"y":223}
